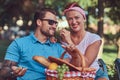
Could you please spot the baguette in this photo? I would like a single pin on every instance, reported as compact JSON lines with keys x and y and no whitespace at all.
{"x":42,"y":60}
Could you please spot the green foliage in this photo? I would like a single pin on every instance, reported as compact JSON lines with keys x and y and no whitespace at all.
{"x":88,"y":3}
{"x":111,"y":70}
{"x":109,"y":51}
{"x":10,"y":9}
{"x":109,"y":56}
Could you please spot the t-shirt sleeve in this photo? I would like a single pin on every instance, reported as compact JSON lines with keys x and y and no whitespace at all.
{"x":12,"y":52}
{"x":94,"y":38}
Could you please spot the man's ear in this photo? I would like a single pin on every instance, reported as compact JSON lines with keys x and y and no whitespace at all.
{"x":38,"y":22}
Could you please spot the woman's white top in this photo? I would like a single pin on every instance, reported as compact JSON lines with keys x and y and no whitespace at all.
{"x":88,"y":39}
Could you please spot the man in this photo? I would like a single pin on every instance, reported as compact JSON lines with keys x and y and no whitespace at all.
{"x":18,"y":59}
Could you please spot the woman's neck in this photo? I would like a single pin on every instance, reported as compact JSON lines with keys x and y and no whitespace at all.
{"x":77,"y":37}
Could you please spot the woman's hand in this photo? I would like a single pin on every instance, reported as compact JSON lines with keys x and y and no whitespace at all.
{"x":77,"y":57}
{"x":72,"y":50}
{"x":65,"y":36}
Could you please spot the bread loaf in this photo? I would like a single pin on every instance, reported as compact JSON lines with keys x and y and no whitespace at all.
{"x":42,"y":60}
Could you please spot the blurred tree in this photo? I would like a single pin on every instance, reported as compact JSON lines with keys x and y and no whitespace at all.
{"x":100,"y":17}
{"x":11,"y":11}
{"x":7,"y":11}
{"x":114,"y":12}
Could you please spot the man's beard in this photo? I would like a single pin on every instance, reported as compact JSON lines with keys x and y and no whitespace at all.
{"x":46,"y":33}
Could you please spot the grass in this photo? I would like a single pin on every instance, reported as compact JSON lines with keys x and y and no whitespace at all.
{"x":109,"y":54}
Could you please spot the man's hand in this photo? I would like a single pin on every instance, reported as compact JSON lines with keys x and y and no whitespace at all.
{"x":18,"y":71}
{"x":9,"y":69}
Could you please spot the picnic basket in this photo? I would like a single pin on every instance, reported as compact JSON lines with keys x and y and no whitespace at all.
{"x":75,"y":73}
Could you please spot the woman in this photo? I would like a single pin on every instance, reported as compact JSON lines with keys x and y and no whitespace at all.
{"x":87,"y":43}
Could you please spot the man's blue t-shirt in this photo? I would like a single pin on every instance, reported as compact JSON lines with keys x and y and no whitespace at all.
{"x":23,"y":49}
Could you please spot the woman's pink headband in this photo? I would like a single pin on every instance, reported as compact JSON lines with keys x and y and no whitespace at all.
{"x":76,"y":9}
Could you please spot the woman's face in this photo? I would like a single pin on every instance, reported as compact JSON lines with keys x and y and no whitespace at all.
{"x":75,"y":20}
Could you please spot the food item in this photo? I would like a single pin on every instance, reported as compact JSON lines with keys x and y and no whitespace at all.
{"x":42,"y":60}
{"x":53,"y":66}
{"x":61,"y":70}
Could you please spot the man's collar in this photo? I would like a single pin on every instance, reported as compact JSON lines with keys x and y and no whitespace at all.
{"x":34,"y":40}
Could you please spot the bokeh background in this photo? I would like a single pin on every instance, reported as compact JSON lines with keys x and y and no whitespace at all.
{"x":16,"y":20}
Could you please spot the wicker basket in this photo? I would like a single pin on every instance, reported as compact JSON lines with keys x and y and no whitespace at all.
{"x":75,"y":73}
{"x":70,"y":78}
{"x":72,"y":75}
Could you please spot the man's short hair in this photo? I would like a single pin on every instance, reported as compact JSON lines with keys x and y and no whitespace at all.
{"x":40,"y":14}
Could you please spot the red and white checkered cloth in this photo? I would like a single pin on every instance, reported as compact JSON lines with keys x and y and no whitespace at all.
{"x":71,"y":73}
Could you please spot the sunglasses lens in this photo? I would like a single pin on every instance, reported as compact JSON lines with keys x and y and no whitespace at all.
{"x":51,"y":22}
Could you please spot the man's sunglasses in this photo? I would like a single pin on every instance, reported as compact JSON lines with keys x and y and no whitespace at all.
{"x":50,"y":22}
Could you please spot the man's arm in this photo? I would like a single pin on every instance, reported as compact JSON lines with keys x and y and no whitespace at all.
{"x":6,"y":70}
{"x":11,"y":70}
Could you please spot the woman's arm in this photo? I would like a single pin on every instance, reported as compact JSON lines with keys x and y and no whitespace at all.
{"x":91,"y":52}
{"x":77,"y":57}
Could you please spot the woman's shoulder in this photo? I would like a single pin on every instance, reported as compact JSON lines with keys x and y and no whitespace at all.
{"x":93,"y":35}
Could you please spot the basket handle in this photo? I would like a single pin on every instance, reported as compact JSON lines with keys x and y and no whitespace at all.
{"x":81,"y":56}
{"x":62,"y":56}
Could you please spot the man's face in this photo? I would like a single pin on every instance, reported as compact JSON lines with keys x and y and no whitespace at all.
{"x":49,"y":24}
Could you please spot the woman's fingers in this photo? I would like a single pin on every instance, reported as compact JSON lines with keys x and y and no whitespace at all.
{"x":69,"y":48}
{"x":64,"y":33}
